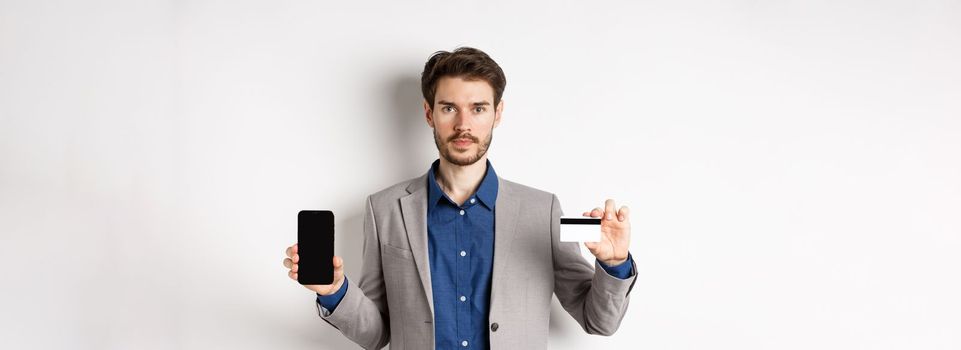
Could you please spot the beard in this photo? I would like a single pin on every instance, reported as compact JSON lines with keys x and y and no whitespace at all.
{"x":465,"y":159}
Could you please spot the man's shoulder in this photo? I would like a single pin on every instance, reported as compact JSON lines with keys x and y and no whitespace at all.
{"x":396,"y":191}
{"x":524,"y":192}
{"x":534,"y":202}
{"x":506,"y":188}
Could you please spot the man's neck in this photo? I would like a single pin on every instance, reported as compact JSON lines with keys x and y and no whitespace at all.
{"x":460,"y":182}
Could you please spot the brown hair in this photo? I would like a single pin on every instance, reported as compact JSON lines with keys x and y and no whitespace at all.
{"x":465,"y":62}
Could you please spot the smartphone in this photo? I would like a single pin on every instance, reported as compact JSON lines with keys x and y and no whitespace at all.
{"x":315,"y":245}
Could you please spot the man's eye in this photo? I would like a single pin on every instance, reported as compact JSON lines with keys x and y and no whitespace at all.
{"x":479,"y":109}
{"x":448,"y":109}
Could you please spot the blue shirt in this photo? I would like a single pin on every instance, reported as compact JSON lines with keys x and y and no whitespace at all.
{"x":460,"y":243}
{"x":460,"y":240}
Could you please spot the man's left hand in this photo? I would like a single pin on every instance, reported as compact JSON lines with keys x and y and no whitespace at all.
{"x":615,"y":234}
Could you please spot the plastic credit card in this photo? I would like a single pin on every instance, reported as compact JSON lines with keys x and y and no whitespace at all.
{"x":580,"y":229}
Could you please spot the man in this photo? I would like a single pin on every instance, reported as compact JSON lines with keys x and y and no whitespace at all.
{"x":460,"y":258}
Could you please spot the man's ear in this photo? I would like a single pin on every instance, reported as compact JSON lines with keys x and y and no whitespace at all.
{"x":497,"y":112}
{"x":427,"y":114}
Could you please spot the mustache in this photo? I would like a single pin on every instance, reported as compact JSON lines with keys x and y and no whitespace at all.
{"x":463,"y":136}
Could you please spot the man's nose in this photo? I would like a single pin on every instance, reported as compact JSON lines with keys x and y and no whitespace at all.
{"x":461,"y":121}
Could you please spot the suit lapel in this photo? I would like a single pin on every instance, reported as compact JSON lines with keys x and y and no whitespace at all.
{"x":505,"y":217}
{"x":414,"y":209}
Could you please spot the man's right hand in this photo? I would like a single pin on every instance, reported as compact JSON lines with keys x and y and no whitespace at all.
{"x":291,"y":260}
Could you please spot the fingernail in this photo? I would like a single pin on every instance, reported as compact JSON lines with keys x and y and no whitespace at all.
{"x":609,"y":216}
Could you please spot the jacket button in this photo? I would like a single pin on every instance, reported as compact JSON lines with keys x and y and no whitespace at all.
{"x":494,"y":327}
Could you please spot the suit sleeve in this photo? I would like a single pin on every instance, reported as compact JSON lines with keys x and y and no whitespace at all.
{"x":594,"y":298}
{"x":362,"y":314}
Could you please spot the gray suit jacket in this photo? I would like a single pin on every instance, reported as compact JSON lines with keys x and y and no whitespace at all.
{"x":392,"y":303}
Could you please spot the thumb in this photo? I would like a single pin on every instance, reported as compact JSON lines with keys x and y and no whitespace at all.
{"x":333,"y":287}
{"x":338,"y":269}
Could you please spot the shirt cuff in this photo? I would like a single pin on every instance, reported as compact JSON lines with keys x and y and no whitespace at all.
{"x":330,"y":302}
{"x":622,"y":270}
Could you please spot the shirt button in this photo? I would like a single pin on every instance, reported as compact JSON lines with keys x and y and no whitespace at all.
{"x":462,"y":212}
{"x":463,"y":253}
{"x":463,"y":343}
{"x":472,"y":200}
{"x":463,"y":298}
{"x":494,"y":327}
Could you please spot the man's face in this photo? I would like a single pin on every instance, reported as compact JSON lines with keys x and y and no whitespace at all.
{"x":463,"y":117}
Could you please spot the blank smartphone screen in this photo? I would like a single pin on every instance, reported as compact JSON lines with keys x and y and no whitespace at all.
{"x":315,"y":245}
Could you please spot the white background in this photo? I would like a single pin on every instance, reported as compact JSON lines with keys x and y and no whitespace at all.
{"x":792,"y":166}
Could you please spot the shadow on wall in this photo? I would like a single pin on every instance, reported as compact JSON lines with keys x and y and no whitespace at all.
{"x":409,"y":128}
{"x":405,"y":154}
{"x":404,"y":124}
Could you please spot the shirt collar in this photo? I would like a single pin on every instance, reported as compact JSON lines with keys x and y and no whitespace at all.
{"x":486,"y":192}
